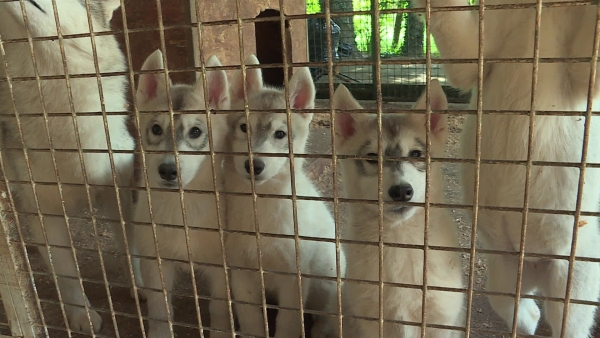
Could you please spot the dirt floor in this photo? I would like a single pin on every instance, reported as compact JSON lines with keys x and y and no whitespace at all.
{"x":116,"y":298}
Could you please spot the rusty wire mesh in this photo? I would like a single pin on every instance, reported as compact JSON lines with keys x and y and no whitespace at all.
{"x":128,"y":319}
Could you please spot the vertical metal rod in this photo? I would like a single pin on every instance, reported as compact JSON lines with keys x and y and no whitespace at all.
{"x":583,"y":166}
{"x":377,"y":71}
{"x":114,"y":175}
{"x":261,"y":271}
{"x":334,"y":169}
{"x":472,"y":254}
{"x":375,"y":48}
{"x":427,"y":163}
{"x":536,"y":57}
{"x":139,"y":144}
{"x":286,"y":77}
{"x":161,"y":30}
{"x":214,"y":165}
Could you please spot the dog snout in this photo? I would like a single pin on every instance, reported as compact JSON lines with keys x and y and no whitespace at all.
{"x":259,"y":166}
{"x":401,"y":192}
{"x":168,"y":171}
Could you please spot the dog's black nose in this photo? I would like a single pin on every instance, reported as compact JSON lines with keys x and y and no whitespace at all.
{"x":401,"y":193}
{"x":168,"y":171}
{"x":259,"y":166}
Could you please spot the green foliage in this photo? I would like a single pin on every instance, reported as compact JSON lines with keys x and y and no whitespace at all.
{"x":313,"y":7}
{"x":363,"y":25}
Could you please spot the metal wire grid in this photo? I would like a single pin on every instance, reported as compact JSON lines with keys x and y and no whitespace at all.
{"x":428,"y":61}
{"x":401,"y":37}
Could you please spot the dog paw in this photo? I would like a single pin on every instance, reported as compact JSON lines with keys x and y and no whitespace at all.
{"x":78,"y":320}
{"x":529,"y":315}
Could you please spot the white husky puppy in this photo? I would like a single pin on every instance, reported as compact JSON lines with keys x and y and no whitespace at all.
{"x":566,"y":32}
{"x":269,"y":134}
{"x":403,"y":181}
{"x":195,"y":172}
{"x":55,"y":99}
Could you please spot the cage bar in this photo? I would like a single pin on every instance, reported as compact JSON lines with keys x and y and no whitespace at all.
{"x":378,"y":50}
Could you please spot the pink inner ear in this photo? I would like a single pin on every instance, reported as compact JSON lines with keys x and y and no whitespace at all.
{"x":345,"y":123}
{"x":239,"y":93}
{"x":214,"y":95}
{"x":251,"y":80}
{"x":149,"y":85}
{"x":216,"y":87}
{"x":302,"y":97}
{"x":436,"y":104}
{"x":435,"y":119}
{"x":301,"y":100}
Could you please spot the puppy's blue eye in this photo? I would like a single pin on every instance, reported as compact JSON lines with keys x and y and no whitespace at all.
{"x":372,"y":161}
{"x":156,"y":130}
{"x":195,"y":132}
{"x":280,"y":134}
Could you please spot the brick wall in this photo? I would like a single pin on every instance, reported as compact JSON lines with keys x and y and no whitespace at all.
{"x":143,"y":14}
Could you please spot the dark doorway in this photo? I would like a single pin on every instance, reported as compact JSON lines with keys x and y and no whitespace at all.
{"x":269,"y":46}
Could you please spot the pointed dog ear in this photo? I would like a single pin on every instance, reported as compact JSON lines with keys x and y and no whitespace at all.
{"x":254,"y":80}
{"x":438,"y":101}
{"x":218,"y":87}
{"x":109,"y":7}
{"x":346,"y":123}
{"x":151,"y":84}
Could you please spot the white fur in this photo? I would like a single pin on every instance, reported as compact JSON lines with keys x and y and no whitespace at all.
{"x":357,"y":136}
{"x":565,"y":32}
{"x":85,"y":95}
{"x":195,"y":174}
{"x":275,"y":216}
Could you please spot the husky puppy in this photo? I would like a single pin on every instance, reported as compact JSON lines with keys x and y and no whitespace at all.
{"x":403,"y":181}
{"x":194,"y":173}
{"x":269,"y":134}
{"x":566,"y":32}
{"x":55,"y":99}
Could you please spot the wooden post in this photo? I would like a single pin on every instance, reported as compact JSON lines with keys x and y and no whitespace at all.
{"x":15,"y":285}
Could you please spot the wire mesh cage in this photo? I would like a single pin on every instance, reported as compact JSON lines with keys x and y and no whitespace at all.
{"x":318,"y":168}
{"x":401,"y":37}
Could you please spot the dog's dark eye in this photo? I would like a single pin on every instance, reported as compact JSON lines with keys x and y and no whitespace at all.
{"x":280,"y":134}
{"x":156,"y":129}
{"x":195,"y":132}
{"x":416,"y":153}
{"x":243,"y":127}
{"x":372,"y":155}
